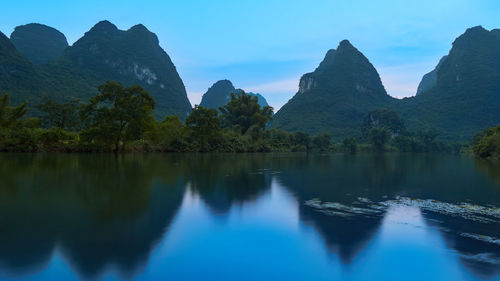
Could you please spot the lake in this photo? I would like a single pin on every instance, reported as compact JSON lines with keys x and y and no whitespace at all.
{"x":249,"y":217}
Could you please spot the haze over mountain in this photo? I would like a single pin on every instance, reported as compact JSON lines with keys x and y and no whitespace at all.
{"x":460,"y":97}
{"x":220,"y":94}
{"x":103,"y":53}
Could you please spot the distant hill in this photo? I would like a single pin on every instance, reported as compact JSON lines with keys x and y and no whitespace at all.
{"x":39,"y":43}
{"x":103,"y":53}
{"x":220,"y":94}
{"x":460,"y":97}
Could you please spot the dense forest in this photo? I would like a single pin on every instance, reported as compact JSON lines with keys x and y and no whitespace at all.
{"x":120,"y":119}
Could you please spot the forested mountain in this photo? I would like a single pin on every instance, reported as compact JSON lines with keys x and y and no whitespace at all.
{"x":220,"y":94}
{"x":336,"y":96}
{"x":465,"y":98}
{"x":103,"y":53}
{"x":39,"y":43}
{"x":460,"y":97}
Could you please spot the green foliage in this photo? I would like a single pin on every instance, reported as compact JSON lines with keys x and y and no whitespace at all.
{"x":117,"y":115}
{"x":487,"y":143}
{"x":60,"y":115}
{"x":382,"y":118}
{"x":9,"y":115}
{"x":350,"y":145}
{"x":243,"y":111}
{"x":379,"y":137}
{"x":204,"y":125}
{"x":322,"y":142}
{"x":120,"y":119}
{"x":301,"y":141}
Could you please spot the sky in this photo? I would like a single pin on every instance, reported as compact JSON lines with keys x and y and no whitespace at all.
{"x":265,"y":46}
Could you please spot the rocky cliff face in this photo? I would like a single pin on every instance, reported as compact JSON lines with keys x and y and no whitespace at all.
{"x":39,"y":43}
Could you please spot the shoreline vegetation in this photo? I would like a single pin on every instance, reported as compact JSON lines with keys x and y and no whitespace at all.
{"x":120,"y":119}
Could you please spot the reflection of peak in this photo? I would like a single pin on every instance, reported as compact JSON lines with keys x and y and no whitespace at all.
{"x":346,"y":237}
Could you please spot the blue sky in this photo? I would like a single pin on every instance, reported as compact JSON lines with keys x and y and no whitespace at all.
{"x":265,"y":46}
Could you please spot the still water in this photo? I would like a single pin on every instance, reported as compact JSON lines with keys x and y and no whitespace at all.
{"x":249,"y":217}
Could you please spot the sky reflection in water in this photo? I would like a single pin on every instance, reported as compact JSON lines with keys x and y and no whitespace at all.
{"x":242,"y":217}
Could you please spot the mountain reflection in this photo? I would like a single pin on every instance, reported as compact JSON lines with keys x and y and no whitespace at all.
{"x":105,"y":211}
{"x":224,"y":180}
{"x":100,"y":210}
{"x":341,"y":179}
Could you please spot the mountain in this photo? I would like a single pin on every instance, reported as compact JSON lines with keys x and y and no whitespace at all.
{"x":104,"y":53}
{"x":429,"y":80}
{"x":260,"y":99}
{"x":465,"y":97}
{"x":336,"y":96}
{"x":459,"y":98}
{"x":131,"y":57}
{"x":17,"y":73}
{"x":220,"y":94}
{"x":38,"y":42}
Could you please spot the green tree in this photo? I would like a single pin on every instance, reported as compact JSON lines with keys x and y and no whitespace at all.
{"x":350,"y":145}
{"x":60,"y":115}
{"x":205,"y":126}
{"x":10,"y":115}
{"x":173,"y":134}
{"x":428,"y":138}
{"x":322,"y":142}
{"x":243,"y":111}
{"x":487,"y":143}
{"x":301,"y":141}
{"x":379,"y":137}
{"x":386,"y":118}
{"x":117,"y":115}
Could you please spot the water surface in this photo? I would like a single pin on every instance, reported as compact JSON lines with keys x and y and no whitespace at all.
{"x":249,"y":217}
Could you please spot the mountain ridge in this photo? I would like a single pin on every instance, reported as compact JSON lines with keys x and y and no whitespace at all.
{"x":104,"y":53}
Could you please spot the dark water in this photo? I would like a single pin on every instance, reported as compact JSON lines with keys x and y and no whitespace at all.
{"x":249,"y":217}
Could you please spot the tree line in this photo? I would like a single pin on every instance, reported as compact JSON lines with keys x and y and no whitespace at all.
{"x":120,"y":119}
